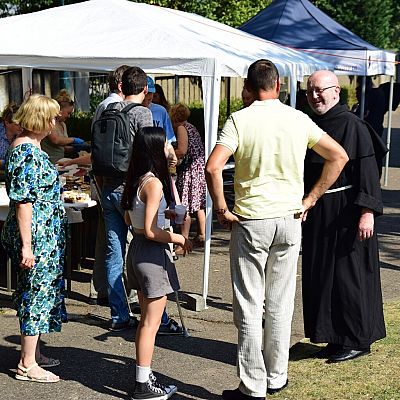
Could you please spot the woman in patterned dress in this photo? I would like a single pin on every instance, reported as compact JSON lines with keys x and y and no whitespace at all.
{"x":34,"y":235}
{"x":190,"y":181}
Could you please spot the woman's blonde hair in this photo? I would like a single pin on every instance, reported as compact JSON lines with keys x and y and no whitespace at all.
{"x":64,"y":99}
{"x":179,"y":113}
{"x":8,"y":112}
{"x":36,"y":113}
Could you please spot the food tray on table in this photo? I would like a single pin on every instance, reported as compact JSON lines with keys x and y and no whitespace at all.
{"x":77,"y":193}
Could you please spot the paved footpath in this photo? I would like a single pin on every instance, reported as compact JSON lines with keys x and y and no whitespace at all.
{"x":98,"y":364}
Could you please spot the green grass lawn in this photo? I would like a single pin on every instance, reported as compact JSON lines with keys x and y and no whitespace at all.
{"x":376,"y":376}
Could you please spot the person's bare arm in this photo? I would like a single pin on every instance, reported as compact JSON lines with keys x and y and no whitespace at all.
{"x":127,"y":218}
{"x":59,"y":140}
{"x":215,"y":184}
{"x":82,"y":160}
{"x":335,"y":159}
{"x":172,"y":158}
{"x":24,"y":218}
{"x":182,"y":140}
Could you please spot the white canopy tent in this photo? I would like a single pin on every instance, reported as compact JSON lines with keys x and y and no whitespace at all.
{"x":100,"y":35}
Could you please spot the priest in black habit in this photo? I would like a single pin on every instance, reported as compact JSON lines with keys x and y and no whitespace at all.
{"x":342,"y":296}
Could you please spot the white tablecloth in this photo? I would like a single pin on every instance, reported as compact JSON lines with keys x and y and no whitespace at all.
{"x":73,"y":210}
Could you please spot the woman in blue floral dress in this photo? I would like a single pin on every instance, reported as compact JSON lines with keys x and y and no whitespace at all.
{"x":34,"y":235}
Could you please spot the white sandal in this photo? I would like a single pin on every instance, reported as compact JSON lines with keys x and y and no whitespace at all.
{"x":26,"y":377}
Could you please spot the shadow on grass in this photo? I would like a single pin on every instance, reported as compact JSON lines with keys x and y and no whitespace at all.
{"x":302,"y":351}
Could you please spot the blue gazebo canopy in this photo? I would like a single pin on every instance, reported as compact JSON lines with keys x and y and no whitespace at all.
{"x":299,"y":24}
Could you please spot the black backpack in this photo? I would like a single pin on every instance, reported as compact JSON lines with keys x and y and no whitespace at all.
{"x":112,"y":142}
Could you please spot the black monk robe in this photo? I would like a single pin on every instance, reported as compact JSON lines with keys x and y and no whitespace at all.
{"x":342,"y":298}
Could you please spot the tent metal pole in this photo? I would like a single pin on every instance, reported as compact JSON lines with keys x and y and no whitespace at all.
{"x":176,"y":93}
{"x":26,"y":82}
{"x":293,"y":90}
{"x":228,"y":96}
{"x":211,"y":98}
{"x":362,"y":101}
{"x":389,"y":131}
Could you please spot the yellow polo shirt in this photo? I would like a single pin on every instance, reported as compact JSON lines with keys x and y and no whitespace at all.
{"x":269,"y":142}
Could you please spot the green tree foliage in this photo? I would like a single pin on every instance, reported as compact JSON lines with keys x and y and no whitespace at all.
{"x":376,"y":21}
{"x":230,"y":12}
{"x":14,"y":7}
{"x":395,"y":26}
{"x":372,"y":20}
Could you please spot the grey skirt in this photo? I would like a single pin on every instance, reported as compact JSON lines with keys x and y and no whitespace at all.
{"x":150,"y":267}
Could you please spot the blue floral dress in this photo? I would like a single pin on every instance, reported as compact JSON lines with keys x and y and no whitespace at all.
{"x":31,"y":178}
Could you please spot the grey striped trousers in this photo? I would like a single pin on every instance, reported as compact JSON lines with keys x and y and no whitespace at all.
{"x":263,"y":255}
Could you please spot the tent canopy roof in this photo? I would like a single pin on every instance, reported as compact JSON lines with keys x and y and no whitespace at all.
{"x":102,"y":34}
{"x":301,"y":25}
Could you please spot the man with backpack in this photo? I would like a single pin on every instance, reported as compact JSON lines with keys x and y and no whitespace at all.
{"x":112,"y":137}
{"x":98,"y":284}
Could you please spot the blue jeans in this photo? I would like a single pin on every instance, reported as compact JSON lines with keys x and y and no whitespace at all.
{"x":116,"y":235}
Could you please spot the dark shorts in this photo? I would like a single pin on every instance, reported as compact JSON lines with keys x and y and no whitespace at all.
{"x":150,"y":267}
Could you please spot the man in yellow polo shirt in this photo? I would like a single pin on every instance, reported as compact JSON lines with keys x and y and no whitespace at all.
{"x":268,"y":141}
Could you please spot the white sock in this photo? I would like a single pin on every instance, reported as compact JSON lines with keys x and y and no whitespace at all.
{"x":142,"y":374}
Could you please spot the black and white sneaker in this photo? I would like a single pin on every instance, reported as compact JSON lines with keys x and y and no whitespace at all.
{"x":152,"y":390}
{"x":153,"y":379}
{"x":170,"y":328}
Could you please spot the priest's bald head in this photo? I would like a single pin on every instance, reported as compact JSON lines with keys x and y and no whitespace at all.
{"x":322,"y":91}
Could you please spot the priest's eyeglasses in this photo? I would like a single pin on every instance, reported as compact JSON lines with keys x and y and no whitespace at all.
{"x":319,"y":91}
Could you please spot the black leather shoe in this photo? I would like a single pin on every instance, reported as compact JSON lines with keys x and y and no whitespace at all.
{"x":329,"y":350}
{"x":345,"y":355}
{"x":272,"y":391}
{"x":238,"y":395}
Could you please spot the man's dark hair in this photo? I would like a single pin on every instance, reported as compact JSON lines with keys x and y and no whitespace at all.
{"x":115,"y":77}
{"x":262,"y":75}
{"x":134,"y":80}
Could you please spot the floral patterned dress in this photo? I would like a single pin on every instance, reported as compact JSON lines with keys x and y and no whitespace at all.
{"x":31,"y":178}
{"x":191,"y":183}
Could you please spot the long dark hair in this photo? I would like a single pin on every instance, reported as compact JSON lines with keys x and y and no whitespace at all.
{"x":147,"y":156}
